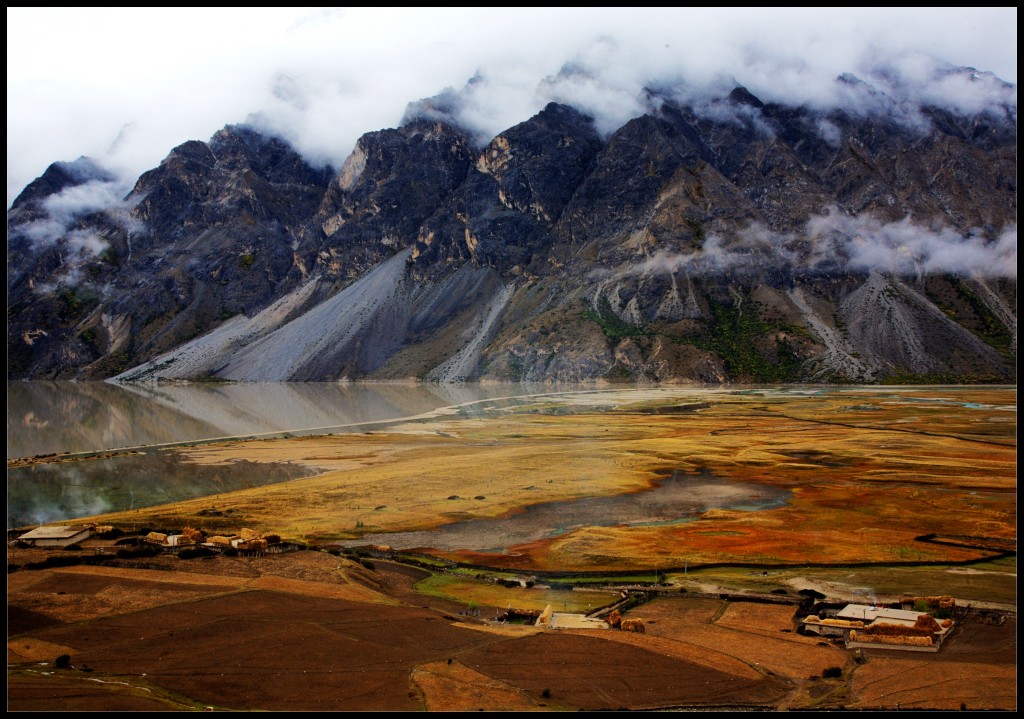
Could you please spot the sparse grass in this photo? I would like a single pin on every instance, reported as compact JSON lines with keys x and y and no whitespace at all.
{"x":613,"y":327}
{"x":732,"y":333}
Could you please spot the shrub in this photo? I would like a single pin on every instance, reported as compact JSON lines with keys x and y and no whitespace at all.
{"x":194,"y":552}
{"x":145,"y":550}
{"x":832,"y":673}
{"x":62,"y":561}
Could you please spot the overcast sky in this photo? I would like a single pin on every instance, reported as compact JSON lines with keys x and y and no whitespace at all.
{"x":125,"y":86}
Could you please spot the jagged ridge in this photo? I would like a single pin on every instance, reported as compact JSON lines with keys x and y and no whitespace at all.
{"x":692,"y":244}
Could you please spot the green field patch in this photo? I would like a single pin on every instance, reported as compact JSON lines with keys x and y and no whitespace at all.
{"x":965,"y":582}
{"x":488,"y":594}
{"x":1001,"y":564}
{"x":616,"y":580}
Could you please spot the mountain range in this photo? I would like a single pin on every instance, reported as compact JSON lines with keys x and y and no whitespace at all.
{"x":725,"y":240}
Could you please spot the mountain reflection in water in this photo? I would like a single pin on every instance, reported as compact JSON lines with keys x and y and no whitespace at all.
{"x":54,"y":417}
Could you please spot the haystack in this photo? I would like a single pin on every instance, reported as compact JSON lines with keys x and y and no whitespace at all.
{"x":633,"y":625}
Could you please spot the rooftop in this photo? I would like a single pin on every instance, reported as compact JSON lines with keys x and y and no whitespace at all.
{"x":870,"y":614}
{"x":56,"y":531}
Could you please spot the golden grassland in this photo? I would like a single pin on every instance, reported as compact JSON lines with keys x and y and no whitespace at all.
{"x":869,"y":471}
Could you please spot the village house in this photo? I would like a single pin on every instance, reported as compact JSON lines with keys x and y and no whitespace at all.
{"x":551,"y":619}
{"x":57,"y":536}
{"x":861,"y":625}
{"x":868,"y":615}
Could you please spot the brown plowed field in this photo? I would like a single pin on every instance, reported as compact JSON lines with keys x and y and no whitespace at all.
{"x":976,"y":668}
{"x":588,"y":672}
{"x":742,"y":631}
{"x":223,"y":641}
{"x":253,"y":634}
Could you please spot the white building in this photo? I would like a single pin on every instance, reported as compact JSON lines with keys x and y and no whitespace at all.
{"x":882,"y":615}
{"x":57,"y":535}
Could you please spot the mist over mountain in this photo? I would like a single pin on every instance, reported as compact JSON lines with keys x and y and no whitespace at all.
{"x":864,"y":231}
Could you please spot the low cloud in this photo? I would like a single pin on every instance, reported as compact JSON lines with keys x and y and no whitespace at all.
{"x":66,"y":226}
{"x":65,"y":208}
{"x":837,"y":243}
{"x":616,"y":78}
{"x":321,"y":78}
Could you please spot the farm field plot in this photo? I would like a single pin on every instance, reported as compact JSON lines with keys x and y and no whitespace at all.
{"x":914,"y":684}
{"x":745,"y":631}
{"x":592,"y":673}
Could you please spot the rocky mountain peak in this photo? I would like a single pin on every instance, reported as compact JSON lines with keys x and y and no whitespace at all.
{"x":719,"y":239}
{"x":58,"y":177}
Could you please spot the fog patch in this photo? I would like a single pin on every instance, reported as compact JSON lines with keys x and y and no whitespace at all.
{"x":65,"y":208}
{"x":839,"y":243}
{"x":323,"y":77}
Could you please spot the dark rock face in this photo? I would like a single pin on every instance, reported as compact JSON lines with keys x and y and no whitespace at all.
{"x":503,"y":214}
{"x":389,"y":186}
{"x":205,"y":236}
{"x":712,"y":243}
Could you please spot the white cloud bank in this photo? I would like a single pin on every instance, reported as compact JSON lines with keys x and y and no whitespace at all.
{"x":836,"y":242}
{"x":127,"y":85}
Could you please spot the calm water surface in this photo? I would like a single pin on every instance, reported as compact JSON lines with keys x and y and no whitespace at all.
{"x":54,"y":417}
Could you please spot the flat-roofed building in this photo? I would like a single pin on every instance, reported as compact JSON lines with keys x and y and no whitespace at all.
{"x":56,"y":535}
{"x":863,"y":625}
{"x":869,"y":614}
